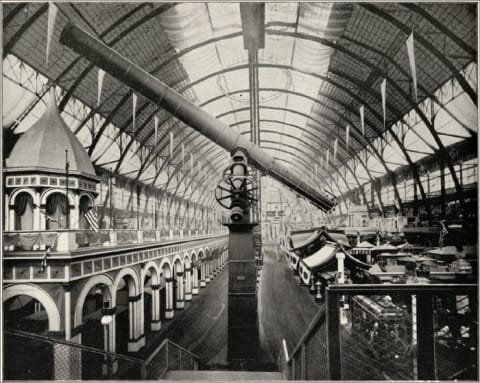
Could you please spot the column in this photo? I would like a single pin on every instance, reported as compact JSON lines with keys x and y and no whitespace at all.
{"x":110,"y":365}
{"x":188,"y":284}
{"x":11,"y":217}
{"x":207,"y":270}
{"x":169,"y":312}
{"x":202,"y":274}
{"x":136,"y":338}
{"x":156,"y":323}
{"x":212,"y":268}
{"x":195,"y":281}
{"x":67,"y":359}
{"x":180,"y":301}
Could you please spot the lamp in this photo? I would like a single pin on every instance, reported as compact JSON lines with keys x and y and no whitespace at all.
{"x":106,"y":320}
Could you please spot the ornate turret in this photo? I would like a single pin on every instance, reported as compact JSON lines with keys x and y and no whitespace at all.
{"x":36,"y":176}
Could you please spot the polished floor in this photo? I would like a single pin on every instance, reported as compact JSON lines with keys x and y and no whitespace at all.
{"x":284,"y":306}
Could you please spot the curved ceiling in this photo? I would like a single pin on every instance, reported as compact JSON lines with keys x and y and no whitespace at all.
{"x":320,"y":63}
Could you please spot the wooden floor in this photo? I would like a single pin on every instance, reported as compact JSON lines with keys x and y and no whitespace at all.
{"x":285,"y":309}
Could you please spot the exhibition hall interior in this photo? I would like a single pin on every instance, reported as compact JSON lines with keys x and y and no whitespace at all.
{"x":240,"y":191}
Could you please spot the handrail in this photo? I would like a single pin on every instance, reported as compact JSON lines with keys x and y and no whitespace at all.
{"x":72,"y":344}
{"x":317,"y":320}
{"x":383,"y":289}
{"x":195,"y":356}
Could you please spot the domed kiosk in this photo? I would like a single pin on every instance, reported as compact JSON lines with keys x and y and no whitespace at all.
{"x":43,"y":160}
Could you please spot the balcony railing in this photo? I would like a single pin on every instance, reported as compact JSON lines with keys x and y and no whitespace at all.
{"x":388,"y":331}
{"x":67,"y":240}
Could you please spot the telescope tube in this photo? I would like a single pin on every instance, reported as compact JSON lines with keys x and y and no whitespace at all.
{"x":162,"y":95}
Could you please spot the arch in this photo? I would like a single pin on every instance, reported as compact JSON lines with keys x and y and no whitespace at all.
{"x":193,"y":256}
{"x":155,"y":276}
{"x":54,"y":322}
{"x":133,"y":288}
{"x":177,"y":264}
{"x":166,"y":270}
{"x":187,"y":261}
{"x":14,"y":195}
{"x":101,"y":279}
{"x":48,"y":192}
{"x":89,"y":196}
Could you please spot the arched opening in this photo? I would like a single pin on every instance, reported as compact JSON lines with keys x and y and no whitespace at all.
{"x":179,"y":284}
{"x":166,"y":292}
{"x":151,"y":299}
{"x":84,"y":206}
{"x":125,"y":302}
{"x":195,"y":274}
{"x":23,"y":208}
{"x":201,"y":268}
{"x":28,"y":309}
{"x":93,"y":334}
{"x":56,"y":212}
{"x":187,"y":267}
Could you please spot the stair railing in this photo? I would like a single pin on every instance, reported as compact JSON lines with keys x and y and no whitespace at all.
{"x":169,"y":356}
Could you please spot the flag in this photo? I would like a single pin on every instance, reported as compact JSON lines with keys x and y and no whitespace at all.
{"x":443,"y":233}
{"x":52,"y":15}
{"x":411,"y":60}
{"x":347,"y":136}
{"x":156,"y":129}
{"x":91,"y":218}
{"x":362,"y":119}
{"x":183,"y":156}
{"x":100,"y":76}
{"x":171,"y":145}
{"x":134,"y":108}
{"x":335,"y":149}
{"x":383,"y":88}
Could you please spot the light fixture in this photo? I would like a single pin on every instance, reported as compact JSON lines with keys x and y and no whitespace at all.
{"x":106,"y":320}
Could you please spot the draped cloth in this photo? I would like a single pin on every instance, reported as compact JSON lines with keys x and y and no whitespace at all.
{"x":56,"y":210}
{"x":24,"y":212}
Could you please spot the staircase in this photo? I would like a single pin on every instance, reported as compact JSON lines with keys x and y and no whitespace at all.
{"x":210,"y":375}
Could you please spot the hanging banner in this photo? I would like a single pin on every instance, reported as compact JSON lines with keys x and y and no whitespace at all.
{"x":155,"y":119}
{"x":383,"y":88}
{"x":183,"y":156}
{"x":347,"y":136}
{"x":362,"y":119}
{"x":411,"y":60}
{"x":327,"y":158}
{"x":101,"y":75}
{"x":134,"y":108}
{"x":335,"y":148}
{"x":171,"y":145}
{"x":52,"y":15}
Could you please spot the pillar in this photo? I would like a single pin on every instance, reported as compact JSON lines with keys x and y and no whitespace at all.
{"x":203,"y":266}
{"x":195,"y":281}
{"x":11,"y":218}
{"x":67,"y":359}
{"x":188,"y":284}
{"x":36,"y":214}
{"x":156,"y":323}
{"x":169,"y":311}
{"x":207,"y":271}
{"x":180,"y":298}
{"x":136,"y":337}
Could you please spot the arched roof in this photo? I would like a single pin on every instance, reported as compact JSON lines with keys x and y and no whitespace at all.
{"x":321,"y":62}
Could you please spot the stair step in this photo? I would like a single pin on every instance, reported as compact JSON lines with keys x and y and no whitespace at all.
{"x":209,"y":375}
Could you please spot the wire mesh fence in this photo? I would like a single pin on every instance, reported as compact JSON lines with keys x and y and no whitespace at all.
{"x":169,"y":356}
{"x":408,"y":332}
{"x":30,"y":356}
{"x":390,"y":332}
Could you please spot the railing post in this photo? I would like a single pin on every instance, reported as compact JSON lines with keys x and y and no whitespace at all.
{"x":425,"y":337}
{"x":303,"y":361}
{"x":333,"y":336}
{"x":180,"y":353}
{"x":293,"y":368}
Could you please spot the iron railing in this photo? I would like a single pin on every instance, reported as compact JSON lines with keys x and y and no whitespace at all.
{"x":31,"y":356}
{"x":169,"y":356}
{"x":390,"y":331}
